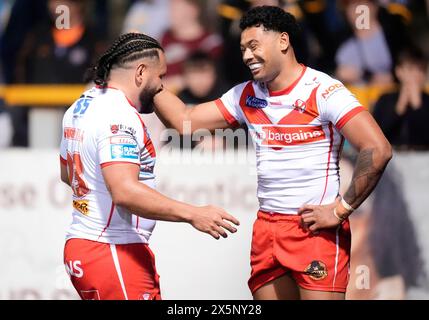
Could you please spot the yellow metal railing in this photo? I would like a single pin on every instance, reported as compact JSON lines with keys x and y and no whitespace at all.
{"x":63,"y":95}
{"x":41,"y":95}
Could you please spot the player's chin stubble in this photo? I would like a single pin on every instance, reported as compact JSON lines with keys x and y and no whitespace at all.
{"x":146,"y":100}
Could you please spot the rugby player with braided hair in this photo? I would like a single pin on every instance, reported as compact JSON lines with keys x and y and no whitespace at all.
{"x":108,"y":159}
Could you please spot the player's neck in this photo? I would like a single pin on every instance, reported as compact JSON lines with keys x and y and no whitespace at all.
{"x":131,"y":95}
{"x":290,"y":72}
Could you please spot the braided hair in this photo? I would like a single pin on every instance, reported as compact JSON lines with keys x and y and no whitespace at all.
{"x":128,"y":47}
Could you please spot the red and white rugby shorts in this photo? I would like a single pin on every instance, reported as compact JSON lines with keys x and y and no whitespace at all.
{"x":316,"y":262}
{"x":102,"y":271}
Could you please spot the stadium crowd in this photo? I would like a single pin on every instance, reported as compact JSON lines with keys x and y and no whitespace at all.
{"x":364,"y":43}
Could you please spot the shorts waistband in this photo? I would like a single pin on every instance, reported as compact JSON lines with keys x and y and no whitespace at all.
{"x":76,"y":239}
{"x":277,"y":216}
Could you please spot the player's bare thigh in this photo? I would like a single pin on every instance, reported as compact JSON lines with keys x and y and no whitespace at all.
{"x":285,"y":288}
{"x":281,"y":288}
{"x":320,"y":295}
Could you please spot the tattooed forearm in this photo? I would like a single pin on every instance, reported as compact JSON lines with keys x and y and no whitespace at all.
{"x":366,"y":175}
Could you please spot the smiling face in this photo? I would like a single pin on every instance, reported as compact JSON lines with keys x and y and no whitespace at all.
{"x":263,"y":52}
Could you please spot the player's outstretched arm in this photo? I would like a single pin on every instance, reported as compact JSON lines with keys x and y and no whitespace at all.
{"x":374,"y":153}
{"x":127,"y":192}
{"x":173,"y":113}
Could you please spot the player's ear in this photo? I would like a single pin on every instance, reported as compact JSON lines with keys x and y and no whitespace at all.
{"x":140,"y":70}
{"x":284,"y":42}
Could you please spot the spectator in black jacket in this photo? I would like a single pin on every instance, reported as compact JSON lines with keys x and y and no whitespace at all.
{"x":54,"y":54}
{"x":404,"y":115}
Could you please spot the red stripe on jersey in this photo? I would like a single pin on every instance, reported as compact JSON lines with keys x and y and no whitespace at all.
{"x":341,"y":123}
{"x":290,"y":87}
{"x":331,"y":135}
{"x":147,"y":142}
{"x":137,"y":223}
{"x":106,"y":164}
{"x":63,"y":161}
{"x":112,"y":208}
{"x":253,"y":115}
{"x":340,"y":151}
{"x":226,"y":114}
{"x":297,"y":117}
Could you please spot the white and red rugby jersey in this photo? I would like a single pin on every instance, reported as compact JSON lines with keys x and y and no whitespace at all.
{"x":296,"y":132}
{"x":100,"y":129}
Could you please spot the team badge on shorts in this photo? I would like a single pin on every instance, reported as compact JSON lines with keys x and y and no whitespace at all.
{"x":147,"y":296}
{"x":316,"y":270}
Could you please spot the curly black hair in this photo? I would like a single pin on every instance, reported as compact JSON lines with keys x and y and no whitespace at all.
{"x":128,"y":47}
{"x":271,"y":18}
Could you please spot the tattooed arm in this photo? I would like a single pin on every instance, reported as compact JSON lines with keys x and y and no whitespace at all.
{"x":374,"y":153}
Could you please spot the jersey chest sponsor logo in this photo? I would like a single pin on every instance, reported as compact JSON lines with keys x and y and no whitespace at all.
{"x":81,"y":206}
{"x":124,"y":151}
{"x":272,"y":135}
{"x":257,"y":103}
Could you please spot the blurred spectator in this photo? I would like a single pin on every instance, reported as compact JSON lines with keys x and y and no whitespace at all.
{"x":52,"y":55}
{"x":233,"y":68}
{"x":368,"y":56}
{"x":202,"y":84}
{"x":24,"y":16}
{"x":399,"y":7}
{"x":4,"y":14}
{"x":55,"y":55}
{"x":403,"y":115}
{"x":150,"y":17}
{"x":186,"y":35}
{"x":323,"y":30}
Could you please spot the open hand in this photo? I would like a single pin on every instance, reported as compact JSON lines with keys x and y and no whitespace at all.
{"x":316,"y":217}
{"x":213,"y":220}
